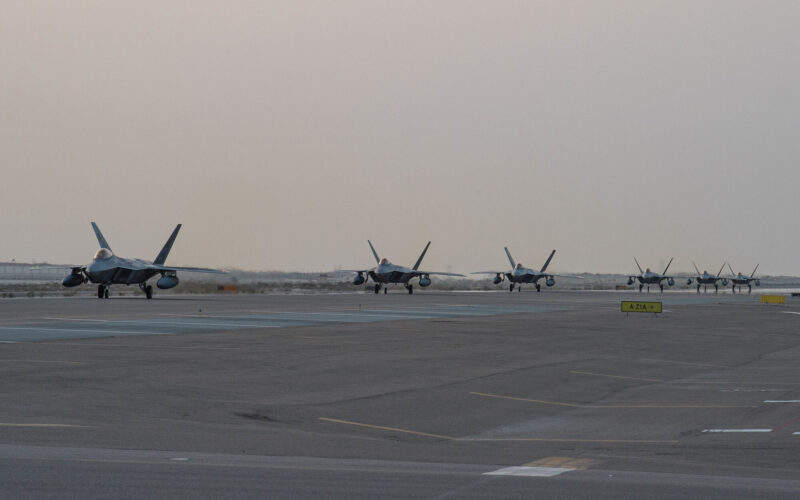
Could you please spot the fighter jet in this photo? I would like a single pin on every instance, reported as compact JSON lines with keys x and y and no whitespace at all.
{"x":520,"y":274}
{"x":386,"y":272}
{"x":740,"y":279}
{"x":708,"y":279}
{"x":107,"y":269}
{"x":648,"y":277}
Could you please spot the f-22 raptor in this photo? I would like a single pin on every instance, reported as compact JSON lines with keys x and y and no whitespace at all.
{"x":520,"y":274}
{"x":107,"y":269}
{"x":648,"y":277}
{"x":386,"y":272}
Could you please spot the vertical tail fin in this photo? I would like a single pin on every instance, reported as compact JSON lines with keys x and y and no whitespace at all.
{"x":419,"y":261}
{"x":637,"y":265}
{"x":547,"y":262}
{"x":668,"y":264}
{"x":695,"y":268}
{"x":377,"y":259}
{"x":754,"y":270}
{"x":510,"y":258}
{"x":162,"y":255}
{"x":100,"y":239}
{"x":731,"y":268}
{"x":719,"y":273}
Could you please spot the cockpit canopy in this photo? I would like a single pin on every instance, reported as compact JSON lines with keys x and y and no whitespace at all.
{"x":102,"y":254}
{"x":384,"y":261}
{"x":518,"y":266}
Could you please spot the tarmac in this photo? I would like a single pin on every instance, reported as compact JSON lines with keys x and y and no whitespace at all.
{"x":555,"y":394}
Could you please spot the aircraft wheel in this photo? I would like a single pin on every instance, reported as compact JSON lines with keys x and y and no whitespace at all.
{"x":640,"y":288}
{"x":105,"y":293}
{"x":385,"y":290}
{"x":148,"y":291}
{"x":511,"y":287}
{"x":377,"y":288}
{"x":538,"y":287}
{"x":410,"y":289}
{"x":662,"y":288}
{"x":100,"y":291}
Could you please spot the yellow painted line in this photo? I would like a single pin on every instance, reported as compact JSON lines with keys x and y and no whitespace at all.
{"x":566,"y":462}
{"x":616,"y":376}
{"x":682,"y":363}
{"x":553,"y":403}
{"x":570,"y":440}
{"x":380,"y":427}
{"x":559,"y":403}
{"x":10,"y":424}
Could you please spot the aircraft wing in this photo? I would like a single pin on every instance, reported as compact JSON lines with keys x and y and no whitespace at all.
{"x":564,"y":276}
{"x":50,"y":268}
{"x":157,"y":267}
{"x":435,"y":273}
{"x":489,"y":272}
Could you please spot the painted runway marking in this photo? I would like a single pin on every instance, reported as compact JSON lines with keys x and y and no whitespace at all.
{"x":682,"y":363}
{"x":528,"y":471}
{"x":796,"y":434}
{"x":564,"y":462}
{"x":81,"y":330}
{"x":573,"y":405}
{"x":736,"y":430}
{"x":40,"y":361}
{"x":13,"y":424}
{"x":616,"y":376}
{"x":380,"y":427}
{"x":570,"y":440}
{"x":775,"y":401}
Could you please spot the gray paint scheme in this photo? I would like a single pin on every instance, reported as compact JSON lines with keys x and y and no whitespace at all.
{"x":648,"y":277}
{"x":385,"y":273}
{"x":107,"y":269}
{"x":520,"y":274}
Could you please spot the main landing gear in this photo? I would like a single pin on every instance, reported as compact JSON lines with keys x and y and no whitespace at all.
{"x":410,"y":289}
{"x":705,"y":289}
{"x":377,"y":288}
{"x":511,"y":287}
{"x":102,"y":292}
{"x":538,"y":287}
{"x":147,"y":289}
{"x":660,"y":286}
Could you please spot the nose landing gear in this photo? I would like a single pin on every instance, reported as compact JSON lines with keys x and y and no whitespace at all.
{"x":102,"y":292}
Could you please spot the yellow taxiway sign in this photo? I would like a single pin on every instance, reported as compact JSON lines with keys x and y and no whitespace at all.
{"x":631,"y":306}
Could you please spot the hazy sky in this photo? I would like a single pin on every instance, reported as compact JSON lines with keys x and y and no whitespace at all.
{"x":284,"y":134}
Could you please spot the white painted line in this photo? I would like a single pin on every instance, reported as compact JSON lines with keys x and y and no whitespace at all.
{"x":796,"y":434}
{"x":737,"y":430}
{"x":790,"y":312}
{"x":782,"y":401}
{"x":123,"y":332}
{"x":528,"y":471}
